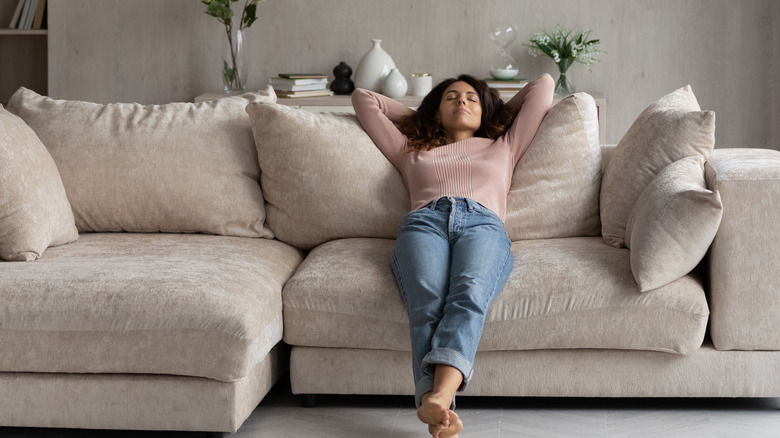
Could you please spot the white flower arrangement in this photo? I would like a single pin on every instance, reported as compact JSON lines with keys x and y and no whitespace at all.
{"x":565,"y":48}
{"x":560,"y":45}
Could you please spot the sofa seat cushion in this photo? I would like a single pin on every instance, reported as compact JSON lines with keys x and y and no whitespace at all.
{"x":562,"y":293}
{"x":179,"y":304}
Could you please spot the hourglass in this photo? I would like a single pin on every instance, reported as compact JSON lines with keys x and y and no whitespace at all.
{"x":503,"y":66}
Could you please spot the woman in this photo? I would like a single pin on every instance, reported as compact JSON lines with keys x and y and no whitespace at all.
{"x":456,"y":154}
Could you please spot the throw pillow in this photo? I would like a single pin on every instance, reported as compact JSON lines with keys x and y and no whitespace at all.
{"x":672,"y":128}
{"x":34,"y":210}
{"x":555,"y":185}
{"x":179,"y":167}
{"x":323,"y":178}
{"x":672,"y":224}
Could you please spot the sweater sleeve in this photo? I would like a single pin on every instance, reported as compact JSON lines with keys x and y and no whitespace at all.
{"x":531,"y":105}
{"x":378,"y":114}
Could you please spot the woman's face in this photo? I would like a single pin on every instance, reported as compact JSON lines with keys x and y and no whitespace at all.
{"x":460,"y":111}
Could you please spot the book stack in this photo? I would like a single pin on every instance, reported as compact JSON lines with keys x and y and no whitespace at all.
{"x":507,"y":86}
{"x":292,"y":85}
{"x":29,"y":14}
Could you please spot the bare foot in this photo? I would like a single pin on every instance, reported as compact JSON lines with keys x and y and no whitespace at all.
{"x":435,"y":412}
{"x":454,"y":428}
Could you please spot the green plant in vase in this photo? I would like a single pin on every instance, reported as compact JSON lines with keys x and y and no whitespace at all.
{"x":233,"y":62}
{"x":564,"y":48}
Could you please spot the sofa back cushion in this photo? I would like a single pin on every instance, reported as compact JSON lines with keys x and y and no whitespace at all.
{"x":179,"y":167}
{"x":34,"y":210}
{"x":672,"y":224}
{"x":555,"y":186}
{"x":323,"y":178}
{"x":672,"y":128}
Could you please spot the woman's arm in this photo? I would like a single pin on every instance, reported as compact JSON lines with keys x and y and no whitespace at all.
{"x":378,"y":114}
{"x":529,"y":105}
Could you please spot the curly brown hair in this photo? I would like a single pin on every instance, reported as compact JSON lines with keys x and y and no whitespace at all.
{"x":424,"y":132}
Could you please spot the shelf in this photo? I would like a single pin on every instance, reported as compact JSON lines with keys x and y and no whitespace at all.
{"x":23,"y":32}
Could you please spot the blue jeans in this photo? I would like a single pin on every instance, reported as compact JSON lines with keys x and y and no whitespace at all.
{"x":451,"y":259}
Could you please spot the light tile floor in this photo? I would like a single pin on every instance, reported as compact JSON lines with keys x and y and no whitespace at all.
{"x":281,"y":416}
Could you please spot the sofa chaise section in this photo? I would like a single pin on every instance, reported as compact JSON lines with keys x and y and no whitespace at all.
{"x":165,"y":312}
{"x":127,"y":310}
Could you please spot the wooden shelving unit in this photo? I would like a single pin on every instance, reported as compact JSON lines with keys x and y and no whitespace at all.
{"x":24,"y":55}
{"x":23,"y":32}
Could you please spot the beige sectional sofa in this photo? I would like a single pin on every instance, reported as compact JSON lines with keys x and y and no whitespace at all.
{"x":175,"y":290}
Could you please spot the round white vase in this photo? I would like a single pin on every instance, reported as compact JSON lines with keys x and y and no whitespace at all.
{"x":373,"y":67}
{"x":394,"y":84}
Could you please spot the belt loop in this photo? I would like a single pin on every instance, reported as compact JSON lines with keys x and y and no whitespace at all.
{"x":472,"y":204}
{"x":432,"y":204}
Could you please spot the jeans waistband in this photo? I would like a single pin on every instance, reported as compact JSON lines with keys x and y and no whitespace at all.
{"x":451,"y":201}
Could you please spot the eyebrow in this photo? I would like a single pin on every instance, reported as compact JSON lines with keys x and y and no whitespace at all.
{"x":458,"y":92}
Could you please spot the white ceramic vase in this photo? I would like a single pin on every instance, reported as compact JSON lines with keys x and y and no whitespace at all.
{"x":373,"y":67}
{"x":394,"y":84}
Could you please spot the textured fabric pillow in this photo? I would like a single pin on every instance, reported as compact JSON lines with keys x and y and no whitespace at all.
{"x":670,"y":129}
{"x":34,"y":210}
{"x":672,"y":224}
{"x":555,"y":186}
{"x":323,"y":178}
{"x":179,"y":167}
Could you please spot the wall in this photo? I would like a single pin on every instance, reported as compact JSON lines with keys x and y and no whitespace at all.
{"x":154,"y":52}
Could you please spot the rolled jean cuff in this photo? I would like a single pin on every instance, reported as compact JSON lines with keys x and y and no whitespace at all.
{"x":446,"y":356}
{"x":424,"y":386}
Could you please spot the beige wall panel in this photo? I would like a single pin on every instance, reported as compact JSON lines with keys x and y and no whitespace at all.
{"x":154,"y":52}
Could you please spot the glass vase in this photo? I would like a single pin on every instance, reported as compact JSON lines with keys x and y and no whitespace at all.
{"x":563,"y":85}
{"x":234,"y":63}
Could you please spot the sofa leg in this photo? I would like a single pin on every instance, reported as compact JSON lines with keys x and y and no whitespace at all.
{"x":309,"y":400}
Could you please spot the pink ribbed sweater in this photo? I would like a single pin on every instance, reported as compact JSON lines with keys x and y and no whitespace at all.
{"x":476,"y":168}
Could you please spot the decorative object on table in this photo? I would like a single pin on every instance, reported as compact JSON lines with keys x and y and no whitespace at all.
{"x":394,"y":84}
{"x":503,"y":66}
{"x":421,"y":84}
{"x":342,"y":84}
{"x":234,"y":63}
{"x":292,"y":85}
{"x":565,"y":47}
{"x":373,"y":67}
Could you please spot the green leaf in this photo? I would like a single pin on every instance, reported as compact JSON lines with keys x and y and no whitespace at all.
{"x":250,"y":14}
{"x":228,"y":72}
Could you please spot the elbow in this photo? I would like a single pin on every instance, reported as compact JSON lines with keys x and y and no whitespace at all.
{"x":547,"y":87}
{"x":357,"y":95}
{"x":547,"y":82}
{"x":360,"y":95}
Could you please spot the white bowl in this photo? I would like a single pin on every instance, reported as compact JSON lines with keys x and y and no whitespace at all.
{"x":503,"y":74}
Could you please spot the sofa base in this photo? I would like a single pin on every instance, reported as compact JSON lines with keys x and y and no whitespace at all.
{"x":136,"y":401}
{"x":549,"y":373}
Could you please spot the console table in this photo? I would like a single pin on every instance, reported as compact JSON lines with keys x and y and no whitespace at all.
{"x":340,"y":103}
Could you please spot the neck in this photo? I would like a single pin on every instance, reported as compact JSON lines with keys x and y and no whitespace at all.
{"x":456,"y":136}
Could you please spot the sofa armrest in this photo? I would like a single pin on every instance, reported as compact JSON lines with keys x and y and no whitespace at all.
{"x":744,"y":269}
